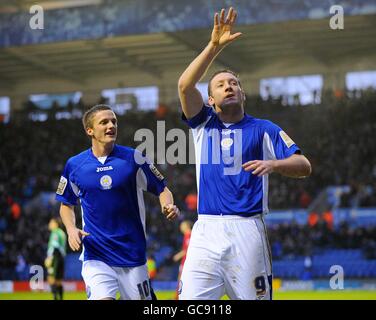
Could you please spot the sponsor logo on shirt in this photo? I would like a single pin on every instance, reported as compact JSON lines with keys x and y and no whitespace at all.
{"x":62,"y":185}
{"x":100,"y":169}
{"x":106,"y":182}
{"x":226,"y":132}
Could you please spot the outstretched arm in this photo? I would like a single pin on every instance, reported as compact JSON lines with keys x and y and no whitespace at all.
{"x":190,"y":98}
{"x":296,"y":166}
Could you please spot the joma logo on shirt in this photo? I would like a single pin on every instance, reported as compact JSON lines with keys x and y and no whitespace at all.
{"x":100,"y":169}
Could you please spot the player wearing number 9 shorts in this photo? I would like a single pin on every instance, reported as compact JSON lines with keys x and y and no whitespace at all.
{"x":108,"y":180}
{"x":228,"y":251}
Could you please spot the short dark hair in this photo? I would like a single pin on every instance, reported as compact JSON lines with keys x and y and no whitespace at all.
{"x":87,"y":119}
{"x":222,"y":71}
{"x":57,"y":220}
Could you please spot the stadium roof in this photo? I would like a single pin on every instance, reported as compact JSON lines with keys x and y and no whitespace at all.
{"x":22,"y":5}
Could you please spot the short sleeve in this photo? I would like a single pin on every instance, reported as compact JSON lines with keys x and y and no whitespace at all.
{"x":199,"y":118}
{"x":277,"y":142}
{"x":65,"y":192}
{"x":148,"y":176}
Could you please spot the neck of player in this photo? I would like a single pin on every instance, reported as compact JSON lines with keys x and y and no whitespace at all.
{"x":102,"y":149}
{"x":230,"y":114}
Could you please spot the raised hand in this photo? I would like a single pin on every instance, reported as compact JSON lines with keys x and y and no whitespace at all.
{"x":221,"y":34}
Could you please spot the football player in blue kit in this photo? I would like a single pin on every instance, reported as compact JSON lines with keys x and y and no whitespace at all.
{"x":108,"y":181}
{"x":229,"y":252}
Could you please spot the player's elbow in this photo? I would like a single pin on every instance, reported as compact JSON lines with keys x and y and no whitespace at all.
{"x":183,"y":85}
{"x":306,"y":168}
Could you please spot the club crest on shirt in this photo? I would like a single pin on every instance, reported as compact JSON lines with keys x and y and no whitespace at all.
{"x":62,"y":185}
{"x":156,"y":172}
{"x":227,"y":143}
{"x":106,"y":182}
{"x":286,"y":139}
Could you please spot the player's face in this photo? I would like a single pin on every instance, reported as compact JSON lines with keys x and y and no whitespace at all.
{"x":226,"y":91}
{"x":104,"y":128}
{"x":52,"y":224}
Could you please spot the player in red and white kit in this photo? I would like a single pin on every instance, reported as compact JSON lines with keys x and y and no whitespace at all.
{"x":185,"y":229}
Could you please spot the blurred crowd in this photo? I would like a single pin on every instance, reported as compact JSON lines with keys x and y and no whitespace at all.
{"x":291,"y":240}
{"x":116,"y":17}
{"x":336,"y":135}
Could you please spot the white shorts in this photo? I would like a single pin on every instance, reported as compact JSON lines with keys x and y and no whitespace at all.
{"x":227,"y":255}
{"x":103,"y":281}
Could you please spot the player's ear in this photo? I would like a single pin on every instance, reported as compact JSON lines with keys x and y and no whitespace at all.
{"x":211,"y":101}
{"x":89,"y":131}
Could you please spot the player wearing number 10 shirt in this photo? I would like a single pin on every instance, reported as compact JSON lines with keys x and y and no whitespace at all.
{"x":108,"y":181}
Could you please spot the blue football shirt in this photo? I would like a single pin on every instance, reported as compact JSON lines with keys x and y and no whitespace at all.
{"x":112,"y":204}
{"x":224,"y":188}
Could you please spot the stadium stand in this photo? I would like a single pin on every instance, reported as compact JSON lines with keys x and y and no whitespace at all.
{"x":114,"y":18}
{"x":27,"y":197}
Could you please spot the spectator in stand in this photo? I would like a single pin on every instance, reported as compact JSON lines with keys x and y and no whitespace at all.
{"x":304,"y":199}
{"x":327,"y":216}
{"x":191,"y":201}
{"x":161,"y":112}
{"x":15,"y":210}
{"x":313,"y":219}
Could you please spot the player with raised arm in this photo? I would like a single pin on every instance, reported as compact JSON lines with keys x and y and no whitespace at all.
{"x":235,"y":152}
{"x":108,"y":180}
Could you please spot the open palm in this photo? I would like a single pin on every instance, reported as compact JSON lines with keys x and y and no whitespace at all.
{"x":221,"y":34}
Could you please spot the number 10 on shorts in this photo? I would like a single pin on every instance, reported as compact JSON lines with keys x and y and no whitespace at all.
{"x":144,"y":289}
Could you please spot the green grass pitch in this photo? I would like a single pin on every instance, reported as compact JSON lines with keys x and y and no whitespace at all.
{"x":169,"y":295}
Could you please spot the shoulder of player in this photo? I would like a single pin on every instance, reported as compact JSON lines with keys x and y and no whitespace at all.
{"x":265,"y":125}
{"x":125,"y":152}
{"x":130,"y":155}
{"x":206,"y":111}
{"x":75,"y":162}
